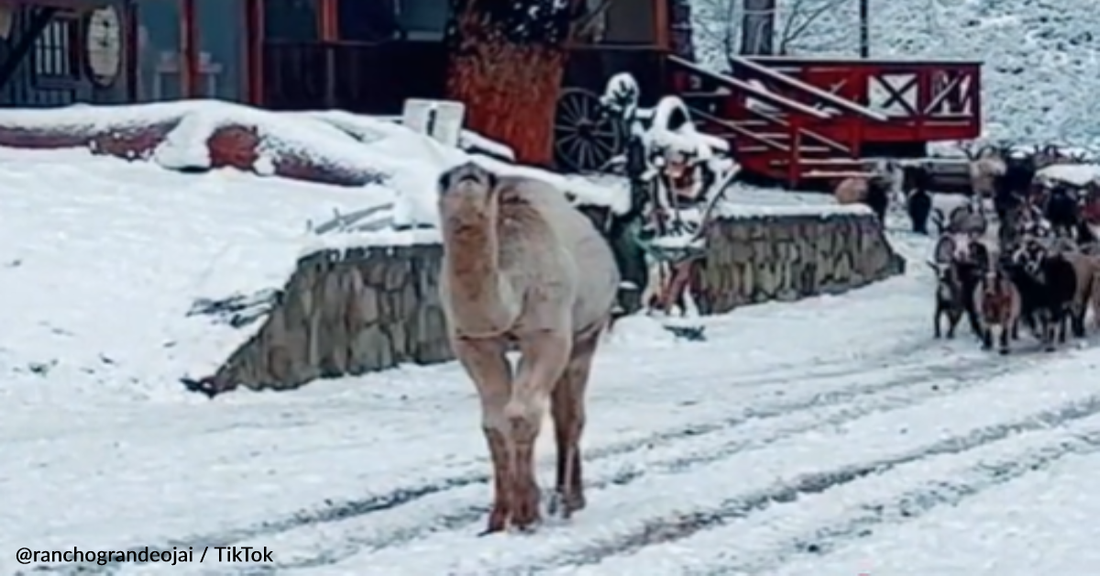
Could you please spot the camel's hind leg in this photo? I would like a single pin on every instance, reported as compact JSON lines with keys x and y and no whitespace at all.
{"x":544,"y":355}
{"x":568,"y":410}
{"x":485,"y":362}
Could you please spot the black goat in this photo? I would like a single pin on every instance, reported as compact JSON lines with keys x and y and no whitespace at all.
{"x":878,"y":197}
{"x":915,"y":182}
{"x":1011,"y":187}
{"x":1062,"y":210}
{"x":1047,"y":284}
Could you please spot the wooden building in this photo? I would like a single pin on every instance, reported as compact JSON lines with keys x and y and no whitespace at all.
{"x":793,"y":120}
{"x":56,"y":52}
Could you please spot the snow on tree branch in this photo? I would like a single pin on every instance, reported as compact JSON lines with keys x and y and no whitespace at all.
{"x":522,"y":22}
{"x":719,"y":23}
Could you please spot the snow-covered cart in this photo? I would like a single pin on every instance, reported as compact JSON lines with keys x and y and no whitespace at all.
{"x":677,"y":177}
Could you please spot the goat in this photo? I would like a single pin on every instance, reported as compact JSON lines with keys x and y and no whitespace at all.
{"x":1086,"y":268}
{"x":985,"y":168}
{"x":999,"y":306}
{"x":964,"y":259}
{"x":950,"y":299}
{"x":916,"y":181}
{"x":1047,"y":284}
{"x":1062,"y":209}
{"x":967,"y":218}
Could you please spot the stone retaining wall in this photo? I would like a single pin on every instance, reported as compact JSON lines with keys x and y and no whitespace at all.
{"x":356,"y":311}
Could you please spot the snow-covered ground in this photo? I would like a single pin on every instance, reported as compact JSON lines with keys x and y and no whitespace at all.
{"x":1042,"y":59}
{"x":829,"y":436}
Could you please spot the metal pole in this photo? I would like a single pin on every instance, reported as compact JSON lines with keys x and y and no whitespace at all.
{"x":864,"y":29}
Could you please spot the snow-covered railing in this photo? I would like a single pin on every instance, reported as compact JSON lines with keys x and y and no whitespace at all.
{"x":748,"y":88}
{"x":791,"y":82}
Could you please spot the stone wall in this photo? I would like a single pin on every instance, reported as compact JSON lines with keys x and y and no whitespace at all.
{"x":356,"y":311}
{"x":788,"y":257}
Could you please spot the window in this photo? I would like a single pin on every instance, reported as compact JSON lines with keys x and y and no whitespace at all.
{"x":423,"y":19}
{"x":294,"y":20}
{"x":56,"y":52}
{"x":368,"y":20}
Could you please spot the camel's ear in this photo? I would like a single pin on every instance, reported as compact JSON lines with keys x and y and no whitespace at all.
{"x":444,"y":183}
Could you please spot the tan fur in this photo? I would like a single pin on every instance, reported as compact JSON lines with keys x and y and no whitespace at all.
{"x":1087,"y":268}
{"x":1094,"y":300}
{"x":984,"y":173}
{"x":851,"y":190}
{"x":999,"y":306}
{"x":522,"y":267}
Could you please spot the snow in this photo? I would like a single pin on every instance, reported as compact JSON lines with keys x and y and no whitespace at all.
{"x":1073,"y":174}
{"x":408,"y":162}
{"x":103,"y":259}
{"x":830,"y":436}
{"x":835,"y":422}
{"x":1041,"y":59}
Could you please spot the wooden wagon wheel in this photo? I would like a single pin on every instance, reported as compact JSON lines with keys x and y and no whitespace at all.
{"x":584,"y":139}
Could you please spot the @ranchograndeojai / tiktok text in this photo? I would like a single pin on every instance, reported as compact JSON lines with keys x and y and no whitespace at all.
{"x":253,"y":554}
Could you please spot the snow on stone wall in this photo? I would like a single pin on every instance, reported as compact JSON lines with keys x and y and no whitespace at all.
{"x":351,"y":311}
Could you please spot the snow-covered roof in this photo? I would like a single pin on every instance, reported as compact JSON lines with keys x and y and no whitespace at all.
{"x":1073,"y":174}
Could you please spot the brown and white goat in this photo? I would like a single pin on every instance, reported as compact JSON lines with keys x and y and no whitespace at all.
{"x":1087,"y":269}
{"x":999,"y":306}
{"x":985,"y":166}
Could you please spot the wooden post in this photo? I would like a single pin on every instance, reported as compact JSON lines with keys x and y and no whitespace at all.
{"x":189,"y":50}
{"x":254,"y":50}
{"x":133,"y":53}
{"x":329,"y":33}
{"x":662,"y":34}
{"x":864,"y":29}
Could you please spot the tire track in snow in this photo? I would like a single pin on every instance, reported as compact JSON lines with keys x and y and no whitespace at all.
{"x":894,"y":388}
{"x":670,"y":529}
{"x":933,"y":493}
{"x":907,"y":354}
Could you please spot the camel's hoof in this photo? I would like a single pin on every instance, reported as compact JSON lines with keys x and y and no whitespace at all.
{"x":498,"y":520}
{"x":488,"y":532}
{"x":526,"y":512}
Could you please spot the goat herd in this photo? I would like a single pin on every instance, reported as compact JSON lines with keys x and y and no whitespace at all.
{"x":1031,"y":262}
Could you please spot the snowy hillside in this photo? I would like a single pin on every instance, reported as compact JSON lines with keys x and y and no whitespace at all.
{"x":1042,"y":58}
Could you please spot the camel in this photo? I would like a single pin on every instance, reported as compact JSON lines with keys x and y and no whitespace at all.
{"x":523,"y":268}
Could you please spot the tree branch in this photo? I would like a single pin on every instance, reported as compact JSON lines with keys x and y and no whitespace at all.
{"x":792,"y":32}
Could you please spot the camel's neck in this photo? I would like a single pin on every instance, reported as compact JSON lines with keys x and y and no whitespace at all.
{"x":481,"y":301}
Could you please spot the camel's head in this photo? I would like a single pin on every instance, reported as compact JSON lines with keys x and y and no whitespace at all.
{"x":465,"y":186}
